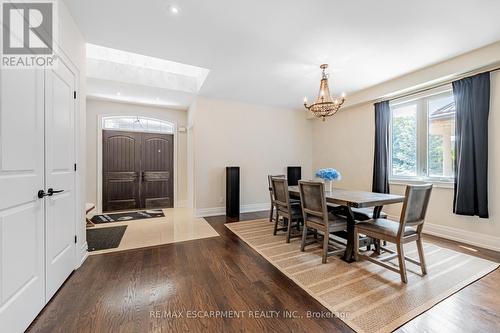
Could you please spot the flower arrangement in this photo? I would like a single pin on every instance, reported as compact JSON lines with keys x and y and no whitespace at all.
{"x":328,"y":174}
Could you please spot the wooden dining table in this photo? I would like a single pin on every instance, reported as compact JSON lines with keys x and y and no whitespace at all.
{"x":349,"y":199}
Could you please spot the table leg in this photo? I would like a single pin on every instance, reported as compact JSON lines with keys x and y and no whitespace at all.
{"x":351,"y":242}
{"x":376,"y":214}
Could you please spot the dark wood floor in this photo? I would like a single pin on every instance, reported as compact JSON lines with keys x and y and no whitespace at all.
{"x":145,"y":290}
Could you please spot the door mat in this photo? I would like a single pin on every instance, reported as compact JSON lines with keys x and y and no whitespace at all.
{"x":130,"y":216}
{"x":105,"y":238}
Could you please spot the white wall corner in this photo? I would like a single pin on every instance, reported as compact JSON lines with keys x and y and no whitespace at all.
{"x":182,"y":203}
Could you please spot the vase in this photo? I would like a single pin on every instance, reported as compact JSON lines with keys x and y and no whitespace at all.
{"x":328,"y":185}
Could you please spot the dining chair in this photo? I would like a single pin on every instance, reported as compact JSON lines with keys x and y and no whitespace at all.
{"x":408,"y":229}
{"x":316,"y":216}
{"x":289,"y":210}
{"x":271,"y":195}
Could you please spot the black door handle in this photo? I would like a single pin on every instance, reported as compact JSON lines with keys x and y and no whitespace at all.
{"x":51,"y":192}
{"x":41,"y":194}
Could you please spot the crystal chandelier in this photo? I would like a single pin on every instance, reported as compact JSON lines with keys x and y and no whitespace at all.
{"x":325,"y":105}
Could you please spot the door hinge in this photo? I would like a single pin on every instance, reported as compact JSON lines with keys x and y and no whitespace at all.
{"x":75,"y":166}
{"x":74,"y":94}
{"x":76,"y":238}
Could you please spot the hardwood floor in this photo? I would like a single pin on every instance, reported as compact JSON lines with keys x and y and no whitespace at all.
{"x":147,"y":290}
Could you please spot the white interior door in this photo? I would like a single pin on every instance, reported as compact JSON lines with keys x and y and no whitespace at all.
{"x":60,"y":175}
{"x":22,"y":278}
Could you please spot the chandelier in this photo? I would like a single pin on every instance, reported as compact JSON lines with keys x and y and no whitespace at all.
{"x":325,"y":105}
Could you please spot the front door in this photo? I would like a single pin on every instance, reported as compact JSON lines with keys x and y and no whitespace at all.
{"x":121,"y":169}
{"x":157,"y":187}
{"x":60,"y":209}
{"x":22,"y":251}
{"x":137,"y":170}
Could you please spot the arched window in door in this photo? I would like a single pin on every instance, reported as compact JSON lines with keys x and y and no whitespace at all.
{"x":137,"y":124}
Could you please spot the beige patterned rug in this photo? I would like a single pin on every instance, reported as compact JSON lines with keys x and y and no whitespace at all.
{"x":366,"y":296}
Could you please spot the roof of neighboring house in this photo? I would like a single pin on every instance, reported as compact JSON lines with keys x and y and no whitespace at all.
{"x":444,"y":112}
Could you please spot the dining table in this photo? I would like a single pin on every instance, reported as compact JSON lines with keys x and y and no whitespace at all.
{"x":349,"y":199}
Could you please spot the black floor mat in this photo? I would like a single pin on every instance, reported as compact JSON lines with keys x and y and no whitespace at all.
{"x":104,"y":238}
{"x":130,"y":216}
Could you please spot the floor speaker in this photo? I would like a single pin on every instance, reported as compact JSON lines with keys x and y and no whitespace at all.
{"x":233,"y":192}
{"x":294,"y":175}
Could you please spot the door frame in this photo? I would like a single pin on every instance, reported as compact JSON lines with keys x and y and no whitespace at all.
{"x":99,"y":173}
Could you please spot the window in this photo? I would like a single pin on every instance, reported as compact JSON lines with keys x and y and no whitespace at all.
{"x":423,"y":137}
{"x":137,"y":124}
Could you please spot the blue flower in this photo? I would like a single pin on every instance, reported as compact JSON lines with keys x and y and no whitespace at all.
{"x":328,"y":174}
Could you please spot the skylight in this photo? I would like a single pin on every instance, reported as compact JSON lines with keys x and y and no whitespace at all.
{"x":109,"y":55}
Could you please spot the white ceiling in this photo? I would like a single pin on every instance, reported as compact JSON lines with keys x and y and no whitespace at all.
{"x":268,"y":52}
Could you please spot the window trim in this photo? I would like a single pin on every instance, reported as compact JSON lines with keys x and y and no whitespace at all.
{"x":422,"y":102}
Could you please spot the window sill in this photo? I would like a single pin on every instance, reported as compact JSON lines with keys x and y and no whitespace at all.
{"x":436,"y":183}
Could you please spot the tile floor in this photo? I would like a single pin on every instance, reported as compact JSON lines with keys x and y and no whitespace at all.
{"x":178,"y":225}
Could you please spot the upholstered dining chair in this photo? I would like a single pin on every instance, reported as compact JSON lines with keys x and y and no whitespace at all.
{"x":408,"y":229}
{"x":287,"y":209}
{"x":316,"y":216}
{"x":271,"y":195}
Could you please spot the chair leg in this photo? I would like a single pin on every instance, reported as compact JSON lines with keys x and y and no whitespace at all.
{"x":271,"y":213}
{"x":420,"y":248}
{"x":288,"y":230}
{"x":356,"y":246}
{"x":275,"y":225}
{"x":325,"y":245}
{"x":378,"y":250}
{"x":402,"y":265}
{"x":304,"y":236}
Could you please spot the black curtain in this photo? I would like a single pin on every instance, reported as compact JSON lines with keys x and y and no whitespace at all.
{"x":381,"y":160}
{"x":472,"y":102}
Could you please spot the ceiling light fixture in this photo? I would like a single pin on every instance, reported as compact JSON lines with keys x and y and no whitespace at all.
{"x":174,"y":10}
{"x":325,"y":105}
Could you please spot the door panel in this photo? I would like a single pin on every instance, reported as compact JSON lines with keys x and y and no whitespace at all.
{"x":60,"y":175}
{"x":157,"y":190}
{"x":121,"y":167}
{"x":22,"y":278}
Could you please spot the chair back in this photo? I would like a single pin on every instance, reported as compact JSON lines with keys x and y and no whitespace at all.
{"x":271,"y":192}
{"x":415,"y":206}
{"x":281,"y":195}
{"x":313,"y":201}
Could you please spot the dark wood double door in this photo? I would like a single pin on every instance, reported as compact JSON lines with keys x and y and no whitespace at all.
{"x":137,"y":170}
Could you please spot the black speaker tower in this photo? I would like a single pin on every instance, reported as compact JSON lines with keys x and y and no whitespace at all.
{"x":233,"y":192}
{"x":294,"y":175}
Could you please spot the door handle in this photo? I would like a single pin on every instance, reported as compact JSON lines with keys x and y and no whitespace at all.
{"x":41,"y":194}
{"x":51,"y":192}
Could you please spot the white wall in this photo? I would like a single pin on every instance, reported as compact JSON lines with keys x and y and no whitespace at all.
{"x":346,"y":142}
{"x":72,"y":44}
{"x":259,"y":139}
{"x":99,"y":107}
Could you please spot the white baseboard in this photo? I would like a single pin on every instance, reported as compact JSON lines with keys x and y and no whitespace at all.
{"x":216,"y":211}
{"x":460,"y":235}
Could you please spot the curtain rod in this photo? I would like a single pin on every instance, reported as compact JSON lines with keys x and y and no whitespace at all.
{"x":485,"y":69}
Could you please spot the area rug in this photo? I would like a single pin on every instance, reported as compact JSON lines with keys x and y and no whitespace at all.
{"x":367,"y":297}
{"x":130,"y":216}
{"x":105,"y":238}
